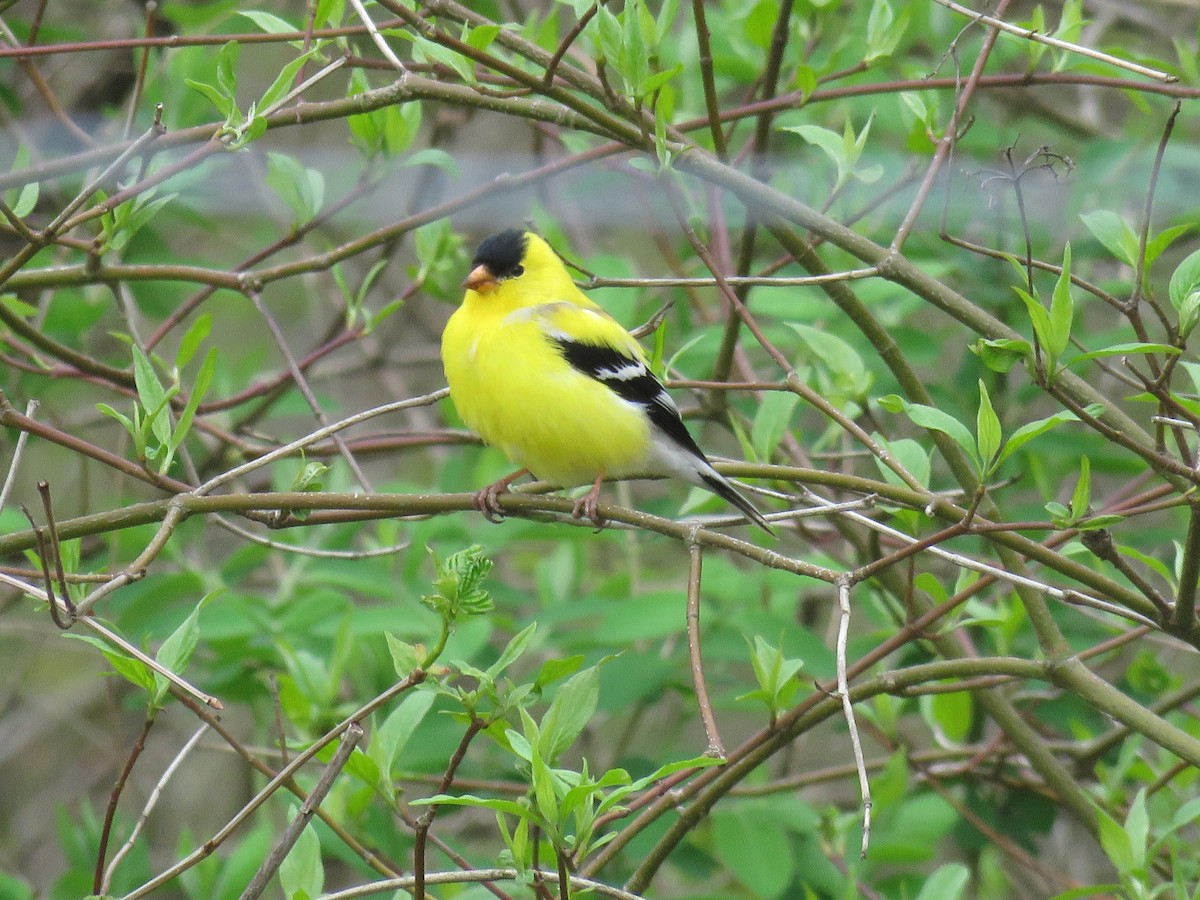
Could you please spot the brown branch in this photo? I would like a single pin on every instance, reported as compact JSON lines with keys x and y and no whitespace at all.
{"x":114,"y":797}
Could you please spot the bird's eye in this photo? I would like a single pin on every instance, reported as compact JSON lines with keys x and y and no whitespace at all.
{"x":518,"y":270}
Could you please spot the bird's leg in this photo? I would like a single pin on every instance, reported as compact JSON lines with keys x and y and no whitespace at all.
{"x":487,"y":502}
{"x":586,"y":505}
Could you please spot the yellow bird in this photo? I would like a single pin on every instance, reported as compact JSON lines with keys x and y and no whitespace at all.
{"x":545,"y":375}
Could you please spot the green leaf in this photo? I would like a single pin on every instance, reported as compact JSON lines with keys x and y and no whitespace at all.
{"x":400,"y":725}
{"x":176,"y":651}
{"x":656,"y":80}
{"x":841,"y":359}
{"x":884,"y":29}
{"x":458,"y":585}
{"x":636,"y":66}
{"x":1059,"y":514}
{"x":433,"y":156}
{"x":554,"y":669}
{"x":225,"y":104}
{"x":269,"y":22}
{"x":18,"y":306}
{"x":303,"y":189}
{"x":1034,"y":50}
{"x":1043,"y":330}
{"x":1081,"y":497}
{"x":107,"y":410}
{"x":771,"y":422}
{"x":151,"y":395}
{"x":950,"y":714}
{"x":192,"y":339}
{"x":776,"y":675}
{"x":23,"y":201}
{"x":911,"y":455}
{"x":1160,"y":242}
{"x":512,"y":807}
{"x":284,"y":80}
{"x":572,"y":708}
{"x":1091,"y":890}
{"x":1095,"y":523}
{"x":1114,"y":233}
{"x":947,"y":883}
{"x":1184,"y":291}
{"x":1186,"y":814}
{"x":1189,"y":313}
{"x":199,"y":390}
{"x":1126,"y":349}
{"x":137,"y":213}
{"x":1001,"y":354}
{"x":666,"y":18}
{"x":405,"y":657}
{"x":132,"y":670}
{"x":481,"y":36}
{"x":935,"y":420}
{"x":1117,"y":843}
{"x":989,"y":434}
{"x":401,"y":124}
{"x":1028,"y":432}
{"x":1137,"y":826}
{"x":330,"y":13}
{"x":227,"y":68}
{"x":829,"y":142}
{"x":755,"y":847}
{"x":302,"y":873}
{"x":512,"y":651}
{"x":425,"y":50}
{"x":1062,"y":308}
{"x":610,"y":37}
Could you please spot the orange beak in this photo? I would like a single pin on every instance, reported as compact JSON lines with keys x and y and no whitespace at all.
{"x":481,"y":280}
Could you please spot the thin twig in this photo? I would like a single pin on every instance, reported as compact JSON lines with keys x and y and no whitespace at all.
{"x":946,"y":144}
{"x":477,"y":876}
{"x":425,"y":822}
{"x":319,"y":435}
{"x":15,"y":462}
{"x":43,"y":553}
{"x":715,"y":748}
{"x":282,"y":777}
{"x":864,"y":784}
{"x":703,"y":39}
{"x":568,"y":40}
{"x":139,"y":83}
{"x":148,"y":808}
{"x":56,"y":547}
{"x":1148,"y":209}
{"x":1036,"y":36}
{"x":302,"y":385}
{"x":734,"y":280}
{"x":353,"y":734}
{"x":115,"y":640}
{"x":377,"y":38}
{"x":98,"y":878}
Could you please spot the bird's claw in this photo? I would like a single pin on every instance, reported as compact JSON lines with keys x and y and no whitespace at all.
{"x":487,"y":501}
{"x":585,"y":507}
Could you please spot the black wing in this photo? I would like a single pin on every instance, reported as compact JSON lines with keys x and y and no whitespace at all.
{"x":630,"y":380}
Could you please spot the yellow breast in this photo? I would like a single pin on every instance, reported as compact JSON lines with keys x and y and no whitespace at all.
{"x":511,"y":385}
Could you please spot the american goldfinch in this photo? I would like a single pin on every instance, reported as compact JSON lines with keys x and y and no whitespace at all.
{"x":544,"y":374}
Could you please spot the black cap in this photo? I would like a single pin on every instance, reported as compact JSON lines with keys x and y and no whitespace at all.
{"x":502,"y":253}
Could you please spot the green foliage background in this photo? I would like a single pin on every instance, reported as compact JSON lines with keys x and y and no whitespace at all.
{"x":1002,"y":373}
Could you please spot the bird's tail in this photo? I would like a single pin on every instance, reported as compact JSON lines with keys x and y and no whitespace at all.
{"x":717,"y":483}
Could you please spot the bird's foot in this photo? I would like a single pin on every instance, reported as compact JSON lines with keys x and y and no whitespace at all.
{"x":586,"y":505}
{"x":487,"y":501}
